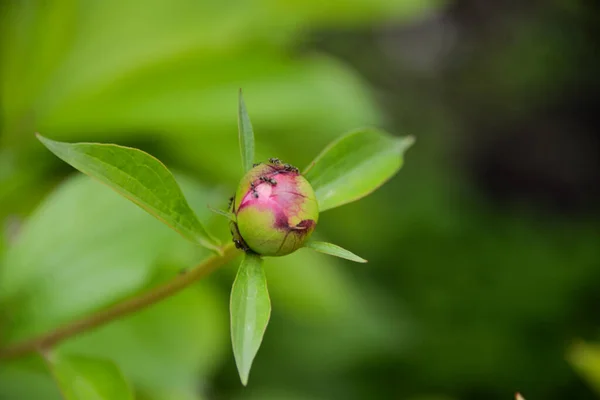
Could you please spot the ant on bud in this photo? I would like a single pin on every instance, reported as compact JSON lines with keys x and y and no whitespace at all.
{"x":241,"y":246}
{"x":290,"y":168}
{"x":268,"y":180}
{"x":275,"y":161}
{"x":253,"y":188}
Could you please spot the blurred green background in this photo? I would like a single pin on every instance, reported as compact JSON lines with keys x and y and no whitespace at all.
{"x":484,"y":251}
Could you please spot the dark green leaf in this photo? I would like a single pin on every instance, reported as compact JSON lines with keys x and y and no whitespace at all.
{"x":355,"y":165}
{"x":246,"y":135}
{"x":139,"y":177}
{"x":84,"y":378}
{"x":250,"y":312}
{"x":334,"y":250}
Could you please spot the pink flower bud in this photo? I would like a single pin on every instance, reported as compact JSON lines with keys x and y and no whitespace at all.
{"x":275,"y":208}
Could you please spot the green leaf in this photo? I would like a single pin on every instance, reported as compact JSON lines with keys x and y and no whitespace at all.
{"x":355,"y":165}
{"x":585,"y":358}
{"x":250,"y":312}
{"x":84,"y":378}
{"x":27,"y":378}
{"x":334,"y":250}
{"x":204,"y":115}
{"x":59,"y":269}
{"x":246,"y":135}
{"x":177,"y":344}
{"x":223,"y":213}
{"x":84,"y":247}
{"x":177,"y":394}
{"x":139,"y":177}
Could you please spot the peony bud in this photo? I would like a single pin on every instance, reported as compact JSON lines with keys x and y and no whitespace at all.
{"x":275,"y":209}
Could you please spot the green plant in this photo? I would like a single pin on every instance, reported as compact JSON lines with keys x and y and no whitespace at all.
{"x":584,"y":357}
{"x":347,"y":170}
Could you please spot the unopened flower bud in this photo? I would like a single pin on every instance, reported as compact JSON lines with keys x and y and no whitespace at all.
{"x":275,"y":209}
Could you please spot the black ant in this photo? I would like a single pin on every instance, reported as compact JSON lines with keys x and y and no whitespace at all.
{"x":238,"y":241}
{"x":290,"y":168}
{"x":276,"y":161}
{"x":268,"y":180}
{"x":253,"y":188}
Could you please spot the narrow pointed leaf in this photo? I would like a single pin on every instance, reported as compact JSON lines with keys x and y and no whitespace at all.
{"x":140,"y":178}
{"x":250,"y":313}
{"x":246,"y":135}
{"x":355,"y":165}
{"x":334,"y":250}
{"x":223,"y":213}
{"x":86,"y":378}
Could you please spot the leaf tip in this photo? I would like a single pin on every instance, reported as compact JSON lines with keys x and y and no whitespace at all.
{"x":50,"y":144}
{"x":222,"y":213}
{"x":219,"y":250}
{"x":334,"y":250}
{"x":244,"y":378}
{"x":406,"y":142}
{"x":41,"y":138}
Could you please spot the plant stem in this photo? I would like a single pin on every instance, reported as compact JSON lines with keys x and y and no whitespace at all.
{"x":122,"y":309}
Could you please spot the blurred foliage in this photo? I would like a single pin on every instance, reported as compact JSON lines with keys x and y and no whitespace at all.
{"x":483,"y":263}
{"x":585,"y":357}
{"x":81,"y":378}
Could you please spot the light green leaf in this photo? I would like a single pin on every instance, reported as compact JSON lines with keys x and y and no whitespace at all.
{"x":178,"y":394}
{"x":246,"y":135}
{"x":223,"y":213}
{"x":355,"y":165}
{"x":84,"y":378}
{"x":27,"y":378}
{"x":585,"y":358}
{"x":356,"y":12}
{"x":250,"y":312}
{"x":84,"y":247}
{"x":34,"y":40}
{"x":139,"y":177}
{"x":175,"y":345}
{"x":334,"y":250}
{"x":59,"y":269}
